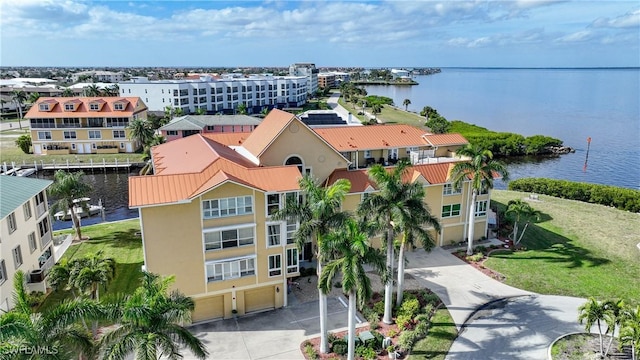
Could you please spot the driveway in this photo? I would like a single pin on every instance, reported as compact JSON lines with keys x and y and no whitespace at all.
{"x":332,"y":102}
{"x":274,"y":334}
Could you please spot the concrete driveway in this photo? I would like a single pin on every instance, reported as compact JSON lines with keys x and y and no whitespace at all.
{"x":273,"y":334}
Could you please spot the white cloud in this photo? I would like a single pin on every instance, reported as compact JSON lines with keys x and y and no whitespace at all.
{"x":579,"y":36}
{"x":628,"y":20}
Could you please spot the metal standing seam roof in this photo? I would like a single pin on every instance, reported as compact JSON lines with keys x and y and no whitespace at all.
{"x":198,"y":122}
{"x":15,"y":191}
{"x":229,"y":139}
{"x":263,"y":135}
{"x":445,"y":139}
{"x":82,"y":110}
{"x":372,"y":137}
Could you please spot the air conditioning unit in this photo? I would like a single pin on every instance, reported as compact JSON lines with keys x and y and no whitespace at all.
{"x":36,"y":276}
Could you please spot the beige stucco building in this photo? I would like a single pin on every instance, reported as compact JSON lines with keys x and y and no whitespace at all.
{"x":205,"y":214}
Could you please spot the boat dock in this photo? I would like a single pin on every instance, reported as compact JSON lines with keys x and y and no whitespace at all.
{"x":13,"y":168}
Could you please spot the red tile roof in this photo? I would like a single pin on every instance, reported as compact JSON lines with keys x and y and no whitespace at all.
{"x":56,"y":107}
{"x":349,"y":138}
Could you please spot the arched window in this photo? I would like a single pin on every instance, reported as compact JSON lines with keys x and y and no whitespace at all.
{"x":294,"y":160}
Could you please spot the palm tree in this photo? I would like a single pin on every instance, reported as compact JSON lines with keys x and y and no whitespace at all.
{"x":148,"y":324}
{"x":33,"y":97}
{"x":480,"y":169}
{"x":354,"y":251}
{"x":406,"y":103}
{"x":630,"y":331}
{"x":88,"y":273}
{"x":55,"y":330}
{"x":19,"y":97}
{"x":242,"y":109}
{"x":141,"y":131}
{"x":68,"y":92}
{"x":593,"y":311}
{"x":376,"y":109}
{"x":68,"y":188}
{"x":92,"y":90}
{"x":413,"y":221}
{"x":113,"y":90}
{"x":614,"y":317}
{"x":520,"y":211}
{"x":318,"y":214}
{"x":387,"y":208}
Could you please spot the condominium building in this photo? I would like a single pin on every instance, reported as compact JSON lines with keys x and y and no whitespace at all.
{"x":25,"y":234}
{"x":326,"y":80}
{"x":309,"y":71}
{"x":99,"y":76}
{"x":84,"y":125}
{"x":219,"y":95}
{"x":205,"y":214}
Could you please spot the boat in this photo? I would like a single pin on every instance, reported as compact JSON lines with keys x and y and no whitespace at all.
{"x":80,"y":210}
{"x":25,"y":172}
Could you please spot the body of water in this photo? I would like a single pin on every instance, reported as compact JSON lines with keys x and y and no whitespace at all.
{"x":569,"y":104}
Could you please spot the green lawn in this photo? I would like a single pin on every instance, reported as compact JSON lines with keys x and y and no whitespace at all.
{"x":577,"y":249}
{"x":118,"y":241}
{"x":389,"y":114}
{"x":441,"y":335}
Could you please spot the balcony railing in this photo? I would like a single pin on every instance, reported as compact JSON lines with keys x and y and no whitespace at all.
{"x":40,"y":209}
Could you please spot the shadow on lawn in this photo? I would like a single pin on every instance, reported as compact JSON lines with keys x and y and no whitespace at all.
{"x":122,"y":239}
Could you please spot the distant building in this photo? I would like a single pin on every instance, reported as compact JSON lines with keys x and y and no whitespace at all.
{"x":184,"y":126}
{"x":84,"y":125}
{"x":100,"y":76}
{"x":326,"y":80}
{"x":309,"y":71}
{"x":219,"y":95}
{"x":399,"y":73}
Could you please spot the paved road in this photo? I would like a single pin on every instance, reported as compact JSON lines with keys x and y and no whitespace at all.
{"x":332,"y":102}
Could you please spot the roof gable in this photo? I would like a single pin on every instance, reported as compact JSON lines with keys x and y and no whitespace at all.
{"x":272,"y":125}
{"x":56,"y":107}
{"x":16,"y":190}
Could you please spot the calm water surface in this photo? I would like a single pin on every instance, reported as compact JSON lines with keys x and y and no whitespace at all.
{"x":569,"y":104}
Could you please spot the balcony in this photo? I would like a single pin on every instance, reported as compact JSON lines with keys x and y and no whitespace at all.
{"x":428,"y":157}
{"x":40,"y":209}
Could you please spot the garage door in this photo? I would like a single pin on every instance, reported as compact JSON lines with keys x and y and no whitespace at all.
{"x":208,"y":308}
{"x":260,"y":299}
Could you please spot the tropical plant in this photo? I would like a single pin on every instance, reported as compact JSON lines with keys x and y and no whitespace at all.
{"x":630,"y":331}
{"x":429,"y":112}
{"x":354,"y":252}
{"x":386,"y":209}
{"x":68,"y":189}
{"x":19,"y":97}
{"x":480,"y":168}
{"x":55,"y":332}
{"x":242,"y":109}
{"x":614,"y":316}
{"x":149,"y":324}
{"x":200,"y":111}
{"x":141,"y":131}
{"x":406,"y":103}
{"x":520,"y":211}
{"x":92,"y":90}
{"x":438,"y":125}
{"x":318,"y":213}
{"x":33,"y":97}
{"x":414,"y":218}
{"x":113,"y":90}
{"x":67,"y":92}
{"x":376,"y":109}
{"x":24,"y":143}
{"x":88,"y":273}
{"x":265,"y":111}
{"x":593,"y":311}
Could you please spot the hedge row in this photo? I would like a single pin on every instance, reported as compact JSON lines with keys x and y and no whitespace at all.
{"x":620,"y":198}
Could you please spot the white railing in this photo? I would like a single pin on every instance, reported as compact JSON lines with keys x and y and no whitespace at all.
{"x":60,"y":244}
{"x":41,"y":209}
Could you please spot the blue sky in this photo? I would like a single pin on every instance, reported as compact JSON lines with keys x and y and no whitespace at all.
{"x":327,"y":33}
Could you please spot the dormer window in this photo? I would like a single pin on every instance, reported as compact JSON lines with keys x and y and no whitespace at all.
{"x":69,"y":107}
{"x":118,"y":106}
{"x":94,"y":107}
{"x":44,"y":107}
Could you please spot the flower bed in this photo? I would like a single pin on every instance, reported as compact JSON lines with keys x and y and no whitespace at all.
{"x":481,"y":254}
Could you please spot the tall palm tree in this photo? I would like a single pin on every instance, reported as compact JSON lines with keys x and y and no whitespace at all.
{"x":92,"y":90}
{"x":19,"y":97}
{"x":386,"y":208}
{"x":520,"y":211}
{"x":413,"y":221}
{"x":88,"y":273}
{"x":68,"y":188}
{"x":593,"y":311}
{"x":33,"y":97}
{"x":354,"y":251}
{"x":614,"y":316}
{"x":68,"y":92}
{"x":148,"y":324}
{"x":56,"y":331}
{"x":406,"y":103}
{"x":630,"y":331}
{"x":318,"y":214}
{"x":113,"y":90}
{"x":141,"y":131}
{"x":480,"y":169}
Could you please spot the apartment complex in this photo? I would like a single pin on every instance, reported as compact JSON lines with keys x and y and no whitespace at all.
{"x":184,"y":126}
{"x":100,"y":76}
{"x":84,"y":125}
{"x":326,"y":80}
{"x":205,"y":214}
{"x":215,"y":96}
{"x":25,"y":233}
{"x":309,"y":71}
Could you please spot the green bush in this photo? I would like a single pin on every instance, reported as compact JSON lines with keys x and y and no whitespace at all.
{"x":404,"y":321}
{"x":35,"y":298}
{"x":407,"y":339}
{"x":24,"y":143}
{"x":366,"y":353}
{"x":475,"y":257}
{"x":310,"y":351}
{"x":431,"y":298}
{"x":373,"y":319}
{"x":422,"y":329}
{"x":428,"y":310}
{"x":340,"y":347}
{"x":379,"y":307}
{"x":620,"y":198}
{"x":410,"y":307}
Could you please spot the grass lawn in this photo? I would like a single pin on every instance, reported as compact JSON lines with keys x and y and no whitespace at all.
{"x":576,"y":249}
{"x":437,"y":343}
{"x":118,"y":241}
{"x":389,"y":114}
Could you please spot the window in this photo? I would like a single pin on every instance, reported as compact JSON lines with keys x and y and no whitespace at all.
{"x":119,"y":134}
{"x":292,"y":227}
{"x":32,"y":242}
{"x":44,"y":107}
{"x":414,"y":149}
{"x":172,"y":132}
{"x":367,"y":154}
{"x":273,"y":203}
{"x":3,"y":272}
{"x":70,"y":122}
{"x":95,"y":134}
{"x":94,"y":107}
{"x":17,"y":256}
{"x":225,"y":270}
{"x":275,"y":265}
{"x":448,"y":189}
{"x":481,"y":208}
{"x":393,"y":154}
{"x":292,"y":260}
{"x":118,"y":106}
{"x":69,"y":107}
{"x":27,"y":210}
{"x":451,"y":210}
{"x":69,"y":134}
{"x":43,"y":228}
{"x":273,"y":235}
{"x":11,"y":220}
{"x":73,"y":146}
{"x":240,"y":205}
{"x":228,"y":238}
{"x":44,"y":135}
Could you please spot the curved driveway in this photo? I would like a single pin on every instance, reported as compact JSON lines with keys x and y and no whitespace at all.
{"x":496,"y":321}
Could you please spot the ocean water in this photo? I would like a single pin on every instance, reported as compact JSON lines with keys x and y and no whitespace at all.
{"x":569,"y":104}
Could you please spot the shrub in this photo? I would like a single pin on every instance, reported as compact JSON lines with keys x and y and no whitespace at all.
{"x":377,"y":342}
{"x":424,"y":318}
{"x":35,"y":298}
{"x":310,"y":351}
{"x":340,"y":347}
{"x":374,"y":319}
{"x":410,"y":307}
{"x":482,"y":249}
{"x":407,"y":339}
{"x":404,"y":321}
{"x":379,"y":307}
{"x":366,"y":353}
{"x":422,"y":329}
{"x":428,"y":310}
{"x":431,"y":298}
{"x":24,"y":143}
{"x":331,"y":338}
{"x":392,"y":333}
{"x":475,"y":257}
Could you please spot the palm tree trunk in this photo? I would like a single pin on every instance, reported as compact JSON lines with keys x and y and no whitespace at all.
{"x":388,"y":287}
{"x":606,"y":351}
{"x":352,"y":326}
{"x":76,"y":222}
{"x":472,"y":221}
{"x":514,"y":234}
{"x":600,"y":333}
{"x":400,"y":285}
{"x":522,"y":233}
{"x":322,"y":300}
